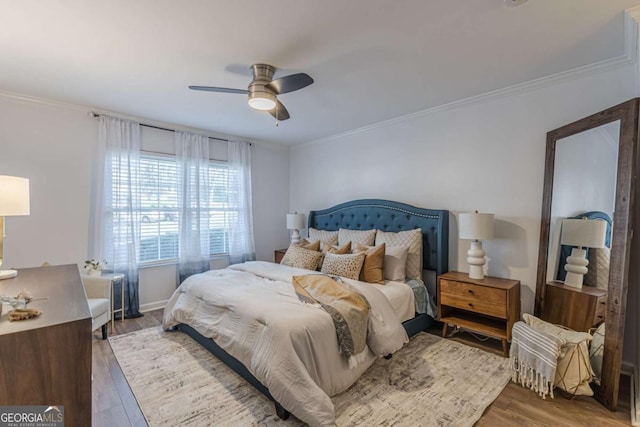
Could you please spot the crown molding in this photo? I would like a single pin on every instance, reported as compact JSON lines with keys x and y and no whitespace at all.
{"x":89,"y":111}
{"x":629,"y":57}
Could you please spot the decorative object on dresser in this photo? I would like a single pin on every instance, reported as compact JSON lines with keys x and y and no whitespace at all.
{"x":295,"y":222}
{"x":47,"y":360}
{"x":489,"y":306}
{"x":14,"y":201}
{"x":475,"y":227}
{"x":579,"y":309}
{"x":94,"y":267}
{"x":581,"y":233}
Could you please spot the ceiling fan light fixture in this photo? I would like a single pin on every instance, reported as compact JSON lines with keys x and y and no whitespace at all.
{"x":263,"y":101}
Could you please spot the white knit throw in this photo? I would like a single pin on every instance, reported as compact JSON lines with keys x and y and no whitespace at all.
{"x":534,"y":358}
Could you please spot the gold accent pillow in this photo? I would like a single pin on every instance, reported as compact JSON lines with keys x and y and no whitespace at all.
{"x":373,"y":266}
{"x":338,"y":250}
{"x":299,"y":257}
{"x":314,"y":246}
{"x":348,"y":266}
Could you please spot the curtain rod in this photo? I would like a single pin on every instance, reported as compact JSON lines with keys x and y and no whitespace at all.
{"x":96,"y":115}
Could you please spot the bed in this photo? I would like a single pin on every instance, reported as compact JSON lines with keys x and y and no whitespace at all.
{"x":318,"y":354}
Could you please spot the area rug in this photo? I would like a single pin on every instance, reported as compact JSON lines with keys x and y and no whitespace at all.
{"x":430,"y":382}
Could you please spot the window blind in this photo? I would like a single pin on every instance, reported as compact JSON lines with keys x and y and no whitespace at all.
{"x":158,"y":215}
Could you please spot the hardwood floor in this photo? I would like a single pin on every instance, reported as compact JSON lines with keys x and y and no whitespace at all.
{"x":114,"y":403}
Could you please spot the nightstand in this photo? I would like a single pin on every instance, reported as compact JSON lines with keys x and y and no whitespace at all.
{"x":579,"y":309}
{"x":278,"y":254}
{"x":489,"y":306}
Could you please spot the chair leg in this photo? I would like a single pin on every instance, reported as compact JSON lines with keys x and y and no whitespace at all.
{"x":104,"y":331}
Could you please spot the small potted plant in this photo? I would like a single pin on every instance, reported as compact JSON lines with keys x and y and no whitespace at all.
{"x":94,"y":267}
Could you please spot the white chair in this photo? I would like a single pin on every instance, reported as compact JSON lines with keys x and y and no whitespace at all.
{"x":98,"y":290}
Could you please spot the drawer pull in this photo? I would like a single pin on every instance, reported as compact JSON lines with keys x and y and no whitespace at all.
{"x":603,"y":302}
{"x":470,"y":305}
{"x":470,"y":291}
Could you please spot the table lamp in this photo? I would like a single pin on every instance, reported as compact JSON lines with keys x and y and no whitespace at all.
{"x":14,"y":201}
{"x":581,"y":233}
{"x":295,"y":222}
{"x":475,"y":227}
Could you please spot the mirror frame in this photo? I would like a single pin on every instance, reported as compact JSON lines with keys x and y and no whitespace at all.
{"x":627,"y":113}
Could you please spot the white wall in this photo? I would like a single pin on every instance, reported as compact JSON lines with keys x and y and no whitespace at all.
{"x":52,"y":145}
{"x":487,"y":155}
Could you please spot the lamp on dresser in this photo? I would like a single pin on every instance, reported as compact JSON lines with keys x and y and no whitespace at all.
{"x":581,"y":233}
{"x":475,"y":227}
{"x":14,"y":201}
{"x":295,"y":222}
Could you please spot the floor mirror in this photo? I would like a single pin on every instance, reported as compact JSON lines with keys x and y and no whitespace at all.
{"x":590,"y":171}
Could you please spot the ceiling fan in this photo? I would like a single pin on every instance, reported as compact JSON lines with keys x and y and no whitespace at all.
{"x":263,"y":91}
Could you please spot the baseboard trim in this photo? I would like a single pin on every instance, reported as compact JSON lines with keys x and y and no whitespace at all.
{"x":153,"y":306}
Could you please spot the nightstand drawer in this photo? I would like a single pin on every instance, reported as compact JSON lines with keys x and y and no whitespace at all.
{"x":476,"y":298}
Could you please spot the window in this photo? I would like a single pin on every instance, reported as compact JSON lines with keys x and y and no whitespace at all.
{"x":158,"y":213}
{"x":222,"y":210}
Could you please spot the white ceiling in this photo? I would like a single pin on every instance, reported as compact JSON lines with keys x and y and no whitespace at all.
{"x":372,"y":60}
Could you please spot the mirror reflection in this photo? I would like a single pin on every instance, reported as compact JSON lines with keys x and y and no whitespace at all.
{"x":582,"y":205}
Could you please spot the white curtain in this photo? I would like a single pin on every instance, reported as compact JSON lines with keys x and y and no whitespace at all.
{"x":192,"y":157}
{"x":116,"y":205}
{"x":240,"y":226}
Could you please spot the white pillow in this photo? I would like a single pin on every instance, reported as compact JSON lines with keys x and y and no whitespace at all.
{"x":596,"y":352}
{"x":411,"y":239}
{"x":348,"y":266}
{"x":299,"y":257}
{"x":324,"y":236}
{"x":364,"y":237}
{"x":395,"y":263}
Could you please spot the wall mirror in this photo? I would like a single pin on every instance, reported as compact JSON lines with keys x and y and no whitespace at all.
{"x":589,"y":172}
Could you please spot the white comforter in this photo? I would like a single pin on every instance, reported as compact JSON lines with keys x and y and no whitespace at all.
{"x":252,"y":311}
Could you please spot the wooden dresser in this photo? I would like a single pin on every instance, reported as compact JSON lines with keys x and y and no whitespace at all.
{"x":47,"y":360}
{"x":579,"y":309}
{"x":489,"y":306}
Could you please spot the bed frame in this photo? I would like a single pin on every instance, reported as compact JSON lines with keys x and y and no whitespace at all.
{"x":364,"y":214}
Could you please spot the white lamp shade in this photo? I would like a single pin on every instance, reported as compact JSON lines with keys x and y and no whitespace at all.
{"x":585,"y":233}
{"x":475,"y":226}
{"x":14,"y":196}
{"x":295,"y":221}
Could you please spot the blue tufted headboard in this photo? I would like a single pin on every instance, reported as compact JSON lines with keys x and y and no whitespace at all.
{"x":386,"y":215}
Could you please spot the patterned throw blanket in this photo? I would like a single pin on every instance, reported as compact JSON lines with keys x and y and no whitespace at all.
{"x":348,"y":308}
{"x":534,"y":358}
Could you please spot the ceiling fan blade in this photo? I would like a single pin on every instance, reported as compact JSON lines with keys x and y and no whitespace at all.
{"x":279,"y":112}
{"x":290,"y":83}
{"x":219,"y":89}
